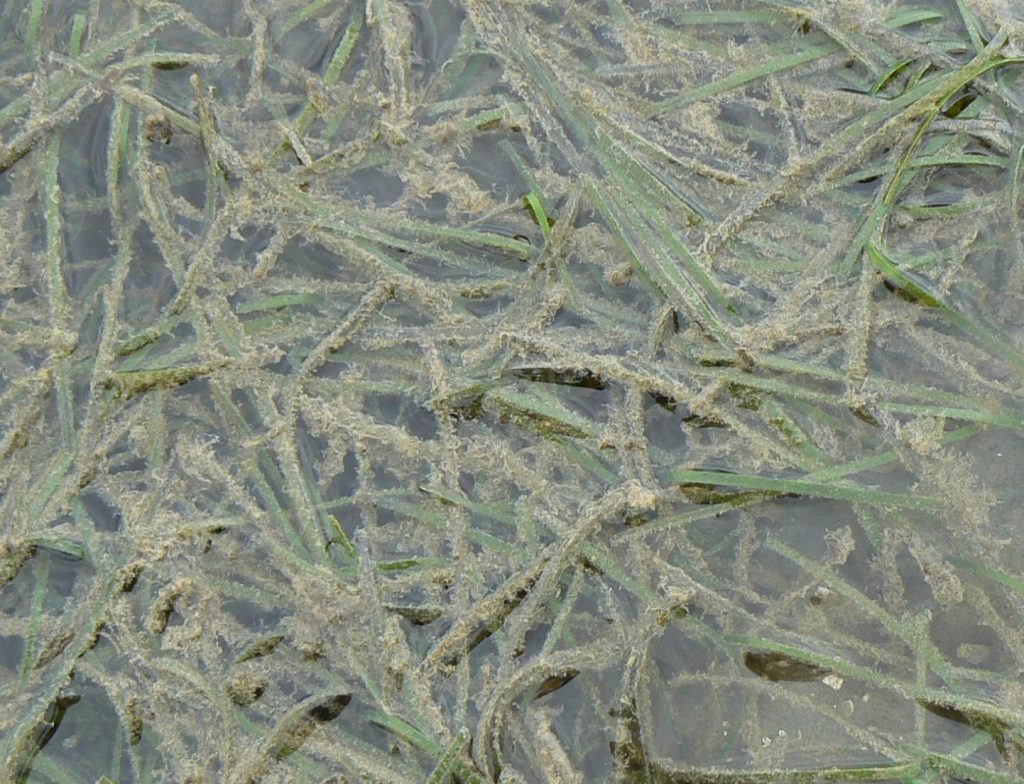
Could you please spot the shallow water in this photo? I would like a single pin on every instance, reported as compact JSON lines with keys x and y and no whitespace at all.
{"x":489,"y":391}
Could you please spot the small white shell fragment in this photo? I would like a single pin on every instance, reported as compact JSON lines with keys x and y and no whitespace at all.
{"x":833,"y":681}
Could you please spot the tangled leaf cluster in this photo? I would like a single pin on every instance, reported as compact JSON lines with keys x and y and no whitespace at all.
{"x":489,"y":391}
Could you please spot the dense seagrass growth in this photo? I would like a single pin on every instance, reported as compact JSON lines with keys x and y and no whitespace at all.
{"x":477,"y":391}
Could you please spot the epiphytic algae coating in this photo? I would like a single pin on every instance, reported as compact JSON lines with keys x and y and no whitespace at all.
{"x":477,"y":391}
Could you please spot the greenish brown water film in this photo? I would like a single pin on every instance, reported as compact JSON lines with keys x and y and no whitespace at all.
{"x":477,"y":391}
